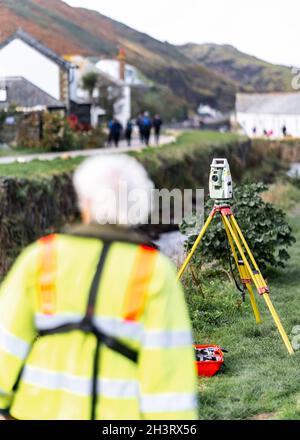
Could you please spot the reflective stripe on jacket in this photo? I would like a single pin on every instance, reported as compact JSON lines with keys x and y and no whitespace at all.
{"x":138,"y":302}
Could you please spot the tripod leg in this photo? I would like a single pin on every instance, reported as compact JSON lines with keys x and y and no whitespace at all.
{"x":239,"y":232}
{"x":254,"y":304}
{"x":263,"y":287}
{"x":231,"y":245}
{"x":256,"y":275}
{"x":257,"y":278}
{"x":245,"y":277}
{"x":196,"y":244}
{"x":236,"y":240}
{"x":278,"y":323}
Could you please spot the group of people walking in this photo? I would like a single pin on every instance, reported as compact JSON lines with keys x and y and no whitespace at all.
{"x":145,"y":125}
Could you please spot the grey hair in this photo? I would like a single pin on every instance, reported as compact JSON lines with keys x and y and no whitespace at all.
{"x":117,"y":189}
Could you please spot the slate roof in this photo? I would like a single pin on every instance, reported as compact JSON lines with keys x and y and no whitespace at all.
{"x":23,"y":93}
{"x":269,"y":103}
{"x":33,"y":42}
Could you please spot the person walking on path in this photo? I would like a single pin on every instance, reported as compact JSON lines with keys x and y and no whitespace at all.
{"x":128,"y":133}
{"x":284,"y":131}
{"x":139,"y":123}
{"x":110,"y":136}
{"x":147,"y":127}
{"x":157,"y":124}
{"x":93,"y":324}
{"x":116,"y":131}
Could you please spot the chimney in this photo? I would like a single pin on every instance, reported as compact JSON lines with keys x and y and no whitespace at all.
{"x":122,"y":60}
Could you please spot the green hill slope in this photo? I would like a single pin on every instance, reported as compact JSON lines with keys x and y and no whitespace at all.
{"x":70,"y":30}
{"x":187,"y":75}
{"x":249,"y":73}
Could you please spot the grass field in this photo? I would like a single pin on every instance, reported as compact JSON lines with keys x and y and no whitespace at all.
{"x":260,"y":381}
{"x":37,"y":168}
{"x":203,"y":139}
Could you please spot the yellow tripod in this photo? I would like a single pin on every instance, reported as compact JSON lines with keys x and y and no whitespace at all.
{"x":248,"y":269}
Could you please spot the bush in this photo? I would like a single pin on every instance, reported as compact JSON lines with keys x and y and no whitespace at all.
{"x":57,"y":134}
{"x":265,"y":227}
{"x":30,"y":208}
{"x":27,"y":131}
{"x":92,"y":139}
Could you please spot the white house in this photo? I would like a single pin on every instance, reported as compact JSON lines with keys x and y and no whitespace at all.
{"x":117,"y":72}
{"x":113,"y":68}
{"x":25,"y":96}
{"x":81,"y":104}
{"x":126,"y":76}
{"x":269,"y":112}
{"x":23,"y":56}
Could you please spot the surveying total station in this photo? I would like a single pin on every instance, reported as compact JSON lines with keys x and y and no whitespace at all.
{"x":221,"y":190}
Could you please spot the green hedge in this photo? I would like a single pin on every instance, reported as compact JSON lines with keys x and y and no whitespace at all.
{"x":30,"y":208}
{"x":287,"y":150}
{"x":186,"y":163}
{"x":45,"y":201}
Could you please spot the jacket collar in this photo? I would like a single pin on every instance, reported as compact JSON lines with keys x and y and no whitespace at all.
{"x":110,"y":233}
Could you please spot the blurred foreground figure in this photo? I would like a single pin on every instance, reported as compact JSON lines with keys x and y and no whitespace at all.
{"x":92,"y":322}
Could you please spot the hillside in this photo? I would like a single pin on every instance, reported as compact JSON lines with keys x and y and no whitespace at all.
{"x":183,"y":77}
{"x":249,"y":73}
{"x":70,"y":30}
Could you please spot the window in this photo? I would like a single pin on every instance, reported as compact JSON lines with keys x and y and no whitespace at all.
{"x":3,"y":95}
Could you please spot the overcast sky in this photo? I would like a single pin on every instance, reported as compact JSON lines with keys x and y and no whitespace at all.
{"x":269,"y":29}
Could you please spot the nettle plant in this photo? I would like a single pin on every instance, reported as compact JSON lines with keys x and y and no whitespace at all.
{"x":265,"y":228}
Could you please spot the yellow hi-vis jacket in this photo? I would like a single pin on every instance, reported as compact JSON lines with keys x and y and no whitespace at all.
{"x":68,"y":375}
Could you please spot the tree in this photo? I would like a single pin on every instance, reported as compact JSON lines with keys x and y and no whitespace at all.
{"x":89,"y":82}
{"x":109,"y":93}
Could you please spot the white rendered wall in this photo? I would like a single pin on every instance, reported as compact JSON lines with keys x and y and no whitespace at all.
{"x":110,"y":67}
{"x":123,"y":106}
{"x":83,"y":67}
{"x":269,"y":122}
{"x":19,"y":59}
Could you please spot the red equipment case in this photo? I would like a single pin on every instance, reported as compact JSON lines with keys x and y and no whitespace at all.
{"x":209,"y":368}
